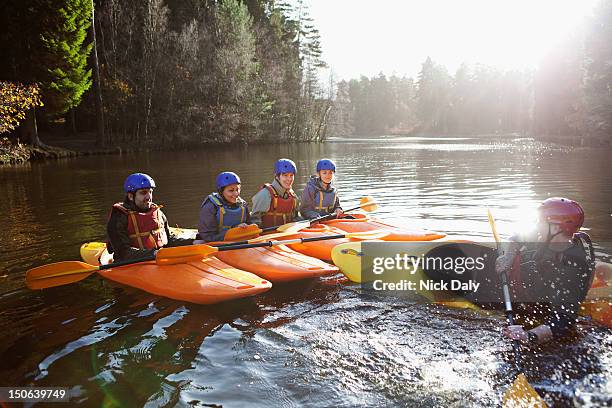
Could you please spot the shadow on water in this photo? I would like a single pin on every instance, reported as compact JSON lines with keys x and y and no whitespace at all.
{"x":310,"y":343}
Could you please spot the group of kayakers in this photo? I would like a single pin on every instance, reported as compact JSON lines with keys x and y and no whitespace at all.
{"x":137,"y":227}
{"x":551,"y":270}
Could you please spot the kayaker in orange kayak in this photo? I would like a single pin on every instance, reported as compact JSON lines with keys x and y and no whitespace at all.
{"x":137,"y":227}
{"x":276,"y":203}
{"x":320,"y":196}
{"x":223,"y":209}
{"x":549,"y":272}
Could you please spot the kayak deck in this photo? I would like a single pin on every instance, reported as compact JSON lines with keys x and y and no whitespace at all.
{"x":205,"y":282}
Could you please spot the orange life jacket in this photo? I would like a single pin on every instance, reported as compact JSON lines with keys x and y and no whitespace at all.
{"x":146,"y":230}
{"x":281,"y":209}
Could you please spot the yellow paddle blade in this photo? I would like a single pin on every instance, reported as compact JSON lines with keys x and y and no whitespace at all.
{"x":492,"y":224}
{"x":367,"y":235}
{"x":522,"y":395}
{"x":184,"y":254}
{"x":368,"y":204}
{"x":239,"y":234}
{"x":59,"y":273}
{"x":294,"y":227}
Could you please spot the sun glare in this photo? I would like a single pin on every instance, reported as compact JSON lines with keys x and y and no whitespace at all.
{"x":360,"y":37}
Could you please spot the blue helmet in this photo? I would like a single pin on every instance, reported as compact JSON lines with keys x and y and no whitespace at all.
{"x":326,"y":164}
{"x":226,"y":178}
{"x":284,"y":166}
{"x":138,"y":181}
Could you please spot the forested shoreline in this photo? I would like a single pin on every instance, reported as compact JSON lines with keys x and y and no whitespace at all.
{"x":568,"y":97}
{"x":182,"y":73}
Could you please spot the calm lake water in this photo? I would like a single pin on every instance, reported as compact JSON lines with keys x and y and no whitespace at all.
{"x":312,"y":343}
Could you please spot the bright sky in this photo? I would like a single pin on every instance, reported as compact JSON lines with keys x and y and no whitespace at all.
{"x":395,"y":36}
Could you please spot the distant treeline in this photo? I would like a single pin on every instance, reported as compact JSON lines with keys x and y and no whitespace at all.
{"x":569,"y":95}
{"x":170,"y":71}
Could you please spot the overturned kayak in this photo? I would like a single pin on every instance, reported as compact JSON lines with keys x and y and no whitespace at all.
{"x":363,"y":223}
{"x":364,"y":262}
{"x":205,"y":282}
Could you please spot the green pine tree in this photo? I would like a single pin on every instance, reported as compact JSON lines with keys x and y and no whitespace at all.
{"x":64,"y":53}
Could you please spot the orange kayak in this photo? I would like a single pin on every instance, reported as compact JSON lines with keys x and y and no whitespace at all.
{"x":277,"y":264}
{"x":207,"y":281}
{"x":319,"y":249}
{"x":364,"y":222}
{"x":361,"y":223}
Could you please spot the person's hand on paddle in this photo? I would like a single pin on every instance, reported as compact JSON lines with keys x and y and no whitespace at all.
{"x":339,"y":213}
{"x":516,"y":332}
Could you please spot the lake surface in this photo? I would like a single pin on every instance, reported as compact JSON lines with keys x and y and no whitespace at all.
{"x":312,"y":343}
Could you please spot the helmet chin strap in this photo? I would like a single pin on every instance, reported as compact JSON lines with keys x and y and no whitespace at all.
{"x":542,"y":247}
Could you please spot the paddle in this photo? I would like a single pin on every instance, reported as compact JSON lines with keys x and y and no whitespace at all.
{"x":63,"y":273}
{"x":520,"y":393}
{"x":168,"y":256}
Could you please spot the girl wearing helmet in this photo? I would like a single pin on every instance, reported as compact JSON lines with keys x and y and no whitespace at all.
{"x":551,"y":271}
{"x":276,"y":203}
{"x":223,"y":209}
{"x":320,"y":196}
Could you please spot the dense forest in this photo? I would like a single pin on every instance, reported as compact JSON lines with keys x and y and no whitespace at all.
{"x":570,"y":94}
{"x":169,"y":71}
{"x":187,"y":72}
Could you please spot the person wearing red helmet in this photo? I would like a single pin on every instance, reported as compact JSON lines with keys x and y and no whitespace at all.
{"x":222,"y":210}
{"x":550,"y":271}
{"x":137,"y":227}
{"x":276,"y":203}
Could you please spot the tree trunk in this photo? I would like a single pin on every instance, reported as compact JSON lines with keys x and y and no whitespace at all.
{"x":28,"y":131}
{"x":71,"y":123}
{"x":100,"y":137}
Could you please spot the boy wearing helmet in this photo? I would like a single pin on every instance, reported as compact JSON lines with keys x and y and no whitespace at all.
{"x":320,"y":196}
{"x":276,"y":203}
{"x":137,"y":227}
{"x":223,"y":209}
{"x":551,"y":272}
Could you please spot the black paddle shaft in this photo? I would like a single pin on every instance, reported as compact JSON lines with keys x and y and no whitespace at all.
{"x":516,"y":345}
{"x":229,"y":247}
{"x":126,"y":262}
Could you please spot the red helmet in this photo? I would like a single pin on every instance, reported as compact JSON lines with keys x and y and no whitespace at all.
{"x":562,"y":211}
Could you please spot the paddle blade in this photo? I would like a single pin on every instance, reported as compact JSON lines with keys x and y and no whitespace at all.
{"x":57,"y":274}
{"x":368,"y":204}
{"x":492,"y":224}
{"x":521,"y":394}
{"x":239,"y":234}
{"x":294,"y":227}
{"x":367,"y":235}
{"x":184,"y":254}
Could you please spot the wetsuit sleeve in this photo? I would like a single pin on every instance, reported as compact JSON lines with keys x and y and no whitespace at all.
{"x":116,"y":229}
{"x":248,"y":214}
{"x":307,"y":206}
{"x":261,"y":204}
{"x":208,"y":225}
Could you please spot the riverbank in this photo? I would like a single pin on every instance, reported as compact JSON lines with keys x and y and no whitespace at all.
{"x":54,"y":147}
